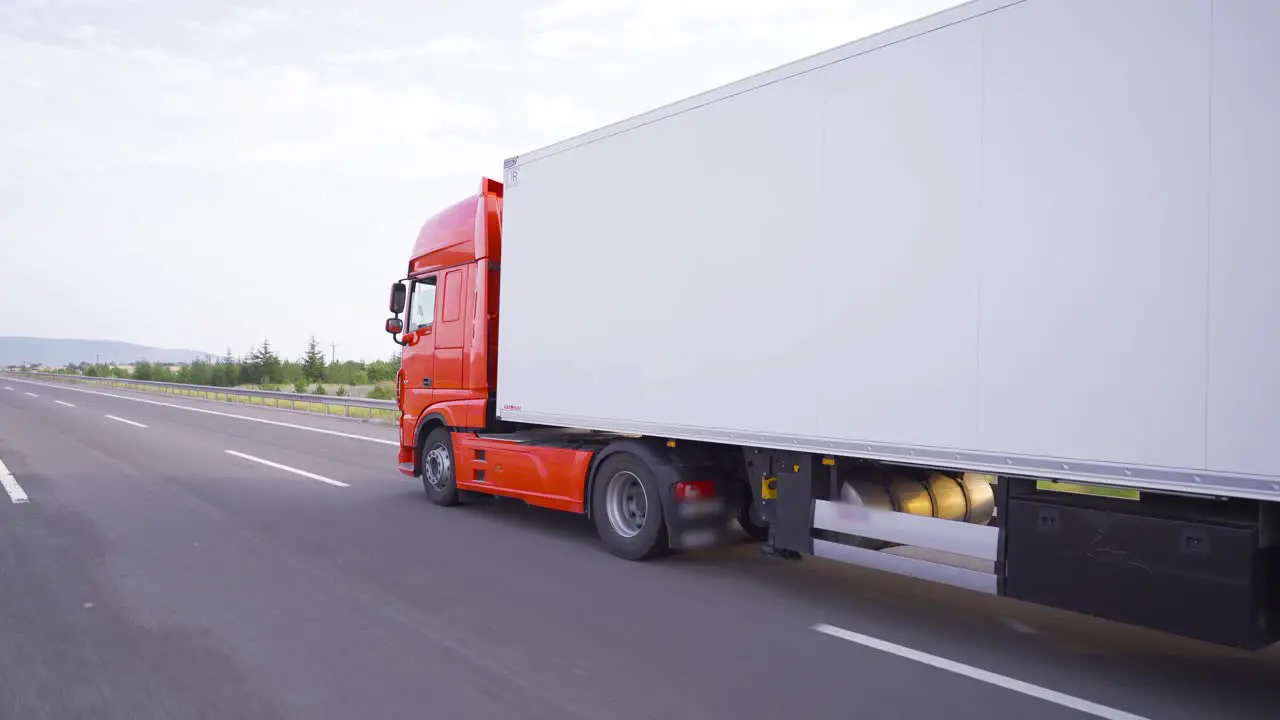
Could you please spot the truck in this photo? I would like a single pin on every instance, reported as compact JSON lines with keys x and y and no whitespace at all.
{"x":987,"y":299}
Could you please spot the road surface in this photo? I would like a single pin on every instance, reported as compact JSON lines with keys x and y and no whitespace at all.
{"x":189,"y":559}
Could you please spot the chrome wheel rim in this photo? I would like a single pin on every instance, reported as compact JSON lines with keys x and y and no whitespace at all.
{"x":626,"y":504}
{"x":437,"y":468}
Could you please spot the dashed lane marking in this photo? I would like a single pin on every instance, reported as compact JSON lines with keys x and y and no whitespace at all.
{"x":11,"y":487}
{"x":286,"y":468}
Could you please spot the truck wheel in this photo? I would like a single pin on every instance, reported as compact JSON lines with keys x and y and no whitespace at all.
{"x":438,"y":476}
{"x":627,"y":508}
{"x":751,"y":522}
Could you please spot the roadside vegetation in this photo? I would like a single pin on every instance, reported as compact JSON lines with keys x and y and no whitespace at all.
{"x":264,"y":369}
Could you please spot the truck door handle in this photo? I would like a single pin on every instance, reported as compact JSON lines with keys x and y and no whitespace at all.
{"x":426,"y":382}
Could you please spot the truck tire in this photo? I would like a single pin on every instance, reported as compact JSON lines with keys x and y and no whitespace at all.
{"x":627,"y":508}
{"x":439,"y":476}
{"x":752,"y":524}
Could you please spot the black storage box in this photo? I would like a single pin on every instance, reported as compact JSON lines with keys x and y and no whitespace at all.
{"x":1203,"y":579}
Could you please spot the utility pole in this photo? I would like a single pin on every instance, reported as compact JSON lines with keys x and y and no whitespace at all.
{"x":333,"y":353}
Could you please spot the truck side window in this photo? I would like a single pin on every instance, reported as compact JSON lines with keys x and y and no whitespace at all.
{"x":422,"y":306}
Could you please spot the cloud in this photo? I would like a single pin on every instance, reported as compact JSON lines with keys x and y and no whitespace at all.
{"x":250,"y":180}
{"x":239,"y":25}
{"x":462,"y":46}
{"x":648,"y":54}
{"x":260,"y":170}
{"x":104,"y":107}
{"x":771,"y":31}
{"x":452,"y":47}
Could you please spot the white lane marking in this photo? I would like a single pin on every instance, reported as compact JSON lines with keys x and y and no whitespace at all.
{"x":6,"y":387}
{"x":1019,"y":626}
{"x":126,"y":422}
{"x":32,"y":394}
{"x":1008,"y":683}
{"x":264,"y":421}
{"x":11,"y":486}
{"x":286,"y":468}
{"x":66,"y":404}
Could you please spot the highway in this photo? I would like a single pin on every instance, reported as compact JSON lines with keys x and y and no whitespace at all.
{"x":170,"y":558}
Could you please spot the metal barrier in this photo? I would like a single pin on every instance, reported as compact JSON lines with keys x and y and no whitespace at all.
{"x":352,"y":407}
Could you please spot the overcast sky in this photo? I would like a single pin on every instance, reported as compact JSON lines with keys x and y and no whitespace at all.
{"x":204,"y":174}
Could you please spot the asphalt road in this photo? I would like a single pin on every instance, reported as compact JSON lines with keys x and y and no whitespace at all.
{"x":154,"y":574}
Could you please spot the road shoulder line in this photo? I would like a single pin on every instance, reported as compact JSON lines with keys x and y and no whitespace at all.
{"x":205,"y":411}
{"x":979,"y":674}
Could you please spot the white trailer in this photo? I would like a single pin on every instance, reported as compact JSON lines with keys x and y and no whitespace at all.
{"x":1033,"y":240}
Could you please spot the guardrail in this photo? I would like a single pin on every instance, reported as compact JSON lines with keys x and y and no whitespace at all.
{"x":334,"y":405}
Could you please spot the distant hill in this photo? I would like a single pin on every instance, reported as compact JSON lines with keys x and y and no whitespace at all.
{"x":59,"y":352}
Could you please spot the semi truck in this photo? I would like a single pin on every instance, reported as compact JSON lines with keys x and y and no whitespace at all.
{"x":987,"y":299}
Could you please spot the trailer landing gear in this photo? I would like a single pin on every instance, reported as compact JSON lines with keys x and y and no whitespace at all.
{"x":768,"y":550}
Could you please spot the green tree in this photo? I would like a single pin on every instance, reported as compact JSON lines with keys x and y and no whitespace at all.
{"x":142,"y":370}
{"x":264,"y":365}
{"x":198,"y":373}
{"x":227,"y":372}
{"x":313,"y":362}
{"x":348,"y":372}
{"x":291,"y":372}
{"x":382,"y":370}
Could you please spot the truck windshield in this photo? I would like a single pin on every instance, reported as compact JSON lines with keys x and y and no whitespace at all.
{"x":423,"y":303}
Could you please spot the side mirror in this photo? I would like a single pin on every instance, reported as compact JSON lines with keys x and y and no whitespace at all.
{"x":397,"y":298}
{"x":395,"y":325}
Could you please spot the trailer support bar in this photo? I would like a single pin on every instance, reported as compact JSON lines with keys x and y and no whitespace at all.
{"x":953,"y":536}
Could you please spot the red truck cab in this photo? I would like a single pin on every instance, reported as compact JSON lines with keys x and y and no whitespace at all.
{"x":654,"y":495}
